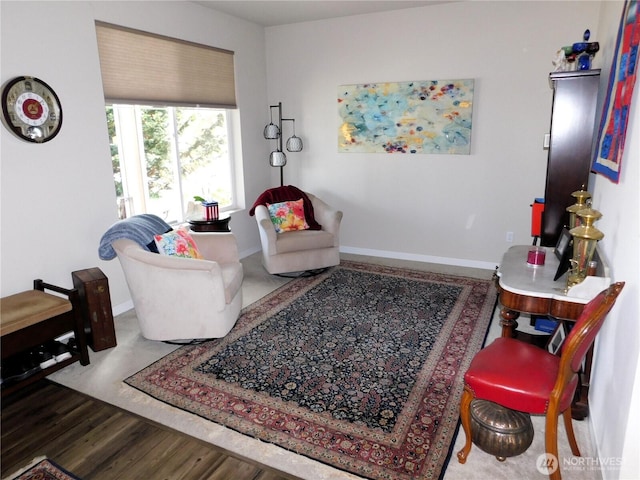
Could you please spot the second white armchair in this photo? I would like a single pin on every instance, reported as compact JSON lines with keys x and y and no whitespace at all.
{"x":301,"y":250}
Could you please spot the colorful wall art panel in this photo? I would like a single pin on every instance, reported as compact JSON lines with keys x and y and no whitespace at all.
{"x":622,"y":79}
{"x":430,"y":117}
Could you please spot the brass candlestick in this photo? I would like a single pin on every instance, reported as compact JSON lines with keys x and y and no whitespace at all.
{"x":585,"y":239}
{"x":582,"y":199}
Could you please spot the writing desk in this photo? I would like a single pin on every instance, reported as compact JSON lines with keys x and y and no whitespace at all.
{"x":523,"y":288}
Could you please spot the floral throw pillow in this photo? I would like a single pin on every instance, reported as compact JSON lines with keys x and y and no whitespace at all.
{"x":288,"y":216}
{"x":177,"y":243}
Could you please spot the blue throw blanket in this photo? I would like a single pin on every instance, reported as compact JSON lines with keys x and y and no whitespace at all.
{"x":139,"y":228}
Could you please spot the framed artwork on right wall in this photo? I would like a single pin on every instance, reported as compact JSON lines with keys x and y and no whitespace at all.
{"x":622,"y":79}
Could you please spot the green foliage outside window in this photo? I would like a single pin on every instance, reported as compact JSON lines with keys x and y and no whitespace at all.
{"x":155,"y":134}
{"x":191,"y":141}
{"x":115,"y":157}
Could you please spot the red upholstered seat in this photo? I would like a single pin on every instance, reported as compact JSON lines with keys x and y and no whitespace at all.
{"x":527,"y":378}
{"x":516,"y":375}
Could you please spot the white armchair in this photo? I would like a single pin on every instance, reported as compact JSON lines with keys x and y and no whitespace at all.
{"x":301,"y":250}
{"x":183,"y":298}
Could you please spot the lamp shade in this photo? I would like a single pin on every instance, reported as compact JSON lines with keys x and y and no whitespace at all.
{"x":271,"y":131}
{"x":294,"y":144}
{"x":277,"y":159}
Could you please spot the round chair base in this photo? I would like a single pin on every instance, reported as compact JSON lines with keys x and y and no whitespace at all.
{"x":500,"y":431}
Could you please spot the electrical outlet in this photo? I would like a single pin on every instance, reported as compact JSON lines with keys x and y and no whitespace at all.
{"x":509,"y":237}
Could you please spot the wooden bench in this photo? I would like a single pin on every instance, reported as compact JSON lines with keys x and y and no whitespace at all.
{"x":32,"y":318}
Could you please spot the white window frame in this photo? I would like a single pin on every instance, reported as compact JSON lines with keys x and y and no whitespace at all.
{"x":132,"y":159}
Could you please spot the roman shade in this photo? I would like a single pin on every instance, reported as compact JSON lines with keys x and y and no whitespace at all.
{"x":144,"y":68}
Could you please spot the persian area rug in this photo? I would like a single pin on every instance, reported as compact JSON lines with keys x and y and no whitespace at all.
{"x":42,"y":469}
{"x":360,"y":367}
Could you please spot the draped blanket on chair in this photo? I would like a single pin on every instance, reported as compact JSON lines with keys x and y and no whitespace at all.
{"x":285,"y":194}
{"x":139,"y":228}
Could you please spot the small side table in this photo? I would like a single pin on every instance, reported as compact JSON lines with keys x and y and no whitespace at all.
{"x":219,"y":225}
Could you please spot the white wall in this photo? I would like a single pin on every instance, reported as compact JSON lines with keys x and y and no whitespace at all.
{"x":443,"y":207}
{"x":58,"y":198}
{"x":456,"y":209}
{"x":615,"y":395}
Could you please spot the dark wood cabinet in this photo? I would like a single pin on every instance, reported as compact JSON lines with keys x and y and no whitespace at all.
{"x":575,"y":95}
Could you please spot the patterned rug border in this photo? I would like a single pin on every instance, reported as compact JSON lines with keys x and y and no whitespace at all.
{"x":264,"y":308}
{"x":35,"y":469}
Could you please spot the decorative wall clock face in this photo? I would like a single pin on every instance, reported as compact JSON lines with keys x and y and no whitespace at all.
{"x":31,"y":109}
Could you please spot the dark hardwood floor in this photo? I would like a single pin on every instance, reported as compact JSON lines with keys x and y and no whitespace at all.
{"x":97,"y":441}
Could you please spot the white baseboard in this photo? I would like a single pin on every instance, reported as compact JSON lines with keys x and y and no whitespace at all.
{"x":249,"y":252}
{"x":419,"y":258}
{"x":402,"y":256}
{"x":123,"y":307}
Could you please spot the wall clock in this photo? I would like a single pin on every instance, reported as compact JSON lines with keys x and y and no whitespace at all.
{"x":31,"y":109}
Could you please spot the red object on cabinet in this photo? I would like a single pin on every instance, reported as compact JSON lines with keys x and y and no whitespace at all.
{"x":536,"y":217}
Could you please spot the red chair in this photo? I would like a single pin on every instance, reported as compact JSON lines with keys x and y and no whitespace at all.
{"x":529,"y":379}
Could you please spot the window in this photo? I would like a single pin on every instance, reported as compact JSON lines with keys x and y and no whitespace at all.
{"x":169,"y":114}
{"x":164,"y":156}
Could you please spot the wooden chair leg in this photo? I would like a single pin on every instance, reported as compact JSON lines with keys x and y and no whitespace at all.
{"x":551,"y":443}
{"x":568,"y":423}
{"x":465,"y":419}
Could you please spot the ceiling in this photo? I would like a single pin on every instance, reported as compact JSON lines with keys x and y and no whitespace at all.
{"x":271,"y":13}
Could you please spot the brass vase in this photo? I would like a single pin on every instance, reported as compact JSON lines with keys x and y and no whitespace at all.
{"x":500,"y":431}
{"x":585,"y":239}
{"x":582,"y":198}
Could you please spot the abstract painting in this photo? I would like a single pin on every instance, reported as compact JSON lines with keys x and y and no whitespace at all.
{"x":428,"y":117}
{"x":622,"y":78}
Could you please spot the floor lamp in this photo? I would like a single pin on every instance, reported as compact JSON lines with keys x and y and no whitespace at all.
{"x":273,"y":131}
